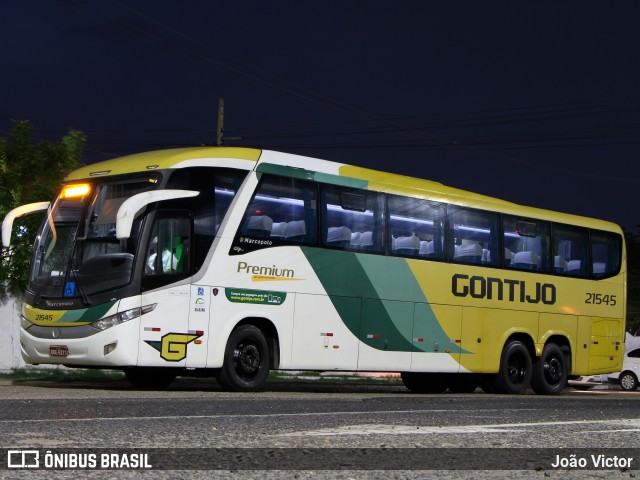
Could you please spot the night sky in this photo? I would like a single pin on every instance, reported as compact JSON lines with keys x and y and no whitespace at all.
{"x":534,"y":102}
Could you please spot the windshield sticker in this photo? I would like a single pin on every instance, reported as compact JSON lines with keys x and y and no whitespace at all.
{"x":70,"y":289}
{"x":260,"y":297}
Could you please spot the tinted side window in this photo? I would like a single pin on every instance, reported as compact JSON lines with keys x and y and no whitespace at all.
{"x":352,"y":219}
{"x":416,"y":227}
{"x":474,"y":236}
{"x":526,"y":244}
{"x":606,"y":253}
{"x":634,"y":353}
{"x":571,"y":250}
{"x":283,"y":210}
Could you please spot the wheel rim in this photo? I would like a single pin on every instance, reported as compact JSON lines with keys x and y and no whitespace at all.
{"x":517,"y":368}
{"x":627,"y":382}
{"x":246,"y":360}
{"x":553,"y":370}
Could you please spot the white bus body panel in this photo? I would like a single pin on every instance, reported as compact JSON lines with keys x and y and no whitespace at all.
{"x":87,"y":351}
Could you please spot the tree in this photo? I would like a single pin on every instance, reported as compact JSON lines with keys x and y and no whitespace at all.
{"x":30,"y":172}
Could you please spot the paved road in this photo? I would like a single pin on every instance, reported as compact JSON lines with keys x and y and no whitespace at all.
{"x":197,"y":414}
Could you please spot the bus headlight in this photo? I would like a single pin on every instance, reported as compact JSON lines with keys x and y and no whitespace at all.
{"x":122,"y":317}
{"x":117,"y":319}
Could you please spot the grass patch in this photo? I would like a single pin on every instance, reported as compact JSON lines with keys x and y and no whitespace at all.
{"x":61,"y":374}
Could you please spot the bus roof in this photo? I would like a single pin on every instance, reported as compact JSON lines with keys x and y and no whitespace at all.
{"x":321,"y":170}
{"x":161,"y":159}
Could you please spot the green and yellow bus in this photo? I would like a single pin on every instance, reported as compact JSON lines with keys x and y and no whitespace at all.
{"x":231,"y":262}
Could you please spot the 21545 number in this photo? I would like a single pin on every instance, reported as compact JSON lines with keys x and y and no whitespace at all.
{"x":601,"y":299}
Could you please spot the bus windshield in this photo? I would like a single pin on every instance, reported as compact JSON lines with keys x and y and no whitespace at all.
{"x":77,"y":252}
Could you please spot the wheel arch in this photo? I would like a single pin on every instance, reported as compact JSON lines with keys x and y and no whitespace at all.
{"x":269,"y":330}
{"x":526,"y":339}
{"x":565,"y":345}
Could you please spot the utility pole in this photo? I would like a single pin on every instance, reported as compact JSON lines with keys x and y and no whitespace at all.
{"x":219,"y":139}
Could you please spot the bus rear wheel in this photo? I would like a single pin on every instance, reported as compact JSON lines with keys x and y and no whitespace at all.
{"x":550,"y":371}
{"x":148,"y":377}
{"x":515,"y":369}
{"x":246,"y":360}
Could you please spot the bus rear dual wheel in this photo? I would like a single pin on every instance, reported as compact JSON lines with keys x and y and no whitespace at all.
{"x":547,"y":375}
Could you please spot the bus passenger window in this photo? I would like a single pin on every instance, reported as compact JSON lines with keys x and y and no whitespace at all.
{"x":352,"y":219}
{"x":526,"y":244}
{"x":606,"y":253}
{"x":571,"y":250}
{"x":283,"y":210}
{"x":416,"y":227}
{"x":473,"y":236}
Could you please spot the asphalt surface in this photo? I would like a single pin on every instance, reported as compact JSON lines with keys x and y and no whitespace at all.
{"x":327,"y":429}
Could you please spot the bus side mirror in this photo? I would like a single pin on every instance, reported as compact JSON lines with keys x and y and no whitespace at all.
{"x":134,"y":205}
{"x":7,"y":223}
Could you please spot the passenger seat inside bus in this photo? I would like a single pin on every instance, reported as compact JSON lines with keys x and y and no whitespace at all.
{"x":339,"y":236}
{"x":525,"y":260}
{"x":426,"y":249}
{"x":366,"y":240}
{"x":469,"y":253}
{"x":508,"y":257}
{"x":559,"y":264}
{"x":295,"y":231}
{"x":574,"y":267}
{"x":599,"y":268}
{"x":259,"y":226}
{"x":407,"y":245}
{"x":277,"y":230}
{"x":355,"y":240}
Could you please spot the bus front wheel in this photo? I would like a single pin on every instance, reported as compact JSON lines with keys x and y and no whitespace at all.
{"x":246,"y":360}
{"x":550,"y":371}
{"x":515,"y":369}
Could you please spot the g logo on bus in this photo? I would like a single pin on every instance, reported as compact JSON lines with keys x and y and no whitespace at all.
{"x":173,"y":346}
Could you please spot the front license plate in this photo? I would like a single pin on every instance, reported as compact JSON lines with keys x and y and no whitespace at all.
{"x":58,"y":350}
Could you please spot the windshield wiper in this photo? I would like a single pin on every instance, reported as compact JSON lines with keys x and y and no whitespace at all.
{"x":72,"y":271}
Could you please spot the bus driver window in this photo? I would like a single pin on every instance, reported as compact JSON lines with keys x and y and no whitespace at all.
{"x":168,"y":249}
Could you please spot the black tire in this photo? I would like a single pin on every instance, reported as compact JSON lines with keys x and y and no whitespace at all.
{"x":424,"y":382}
{"x":628,"y":381}
{"x":463,"y":383}
{"x":149,"y":377}
{"x":246,"y":360}
{"x":550,"y":371}
{"x":515,"y":369}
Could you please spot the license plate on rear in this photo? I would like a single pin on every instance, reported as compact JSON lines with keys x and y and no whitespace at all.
{"x":58,"y":350}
